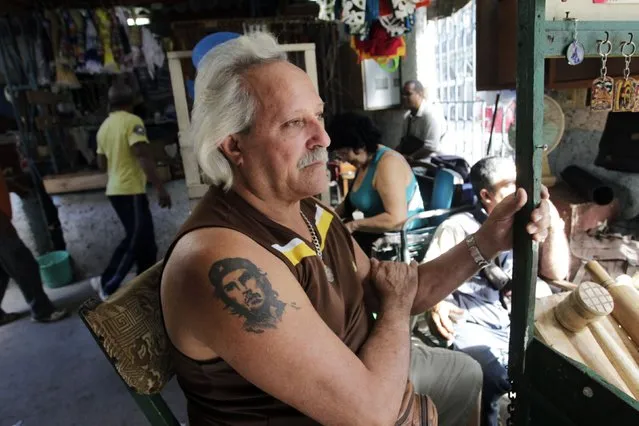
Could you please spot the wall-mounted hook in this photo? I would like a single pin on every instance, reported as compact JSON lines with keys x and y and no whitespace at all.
{"x":607,"y":38}
{"x":631,"y":45}
{"x":631,"y":37}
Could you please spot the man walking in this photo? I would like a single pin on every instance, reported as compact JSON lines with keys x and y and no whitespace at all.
{"x":123,"y":151}
{"x":17,"y":262}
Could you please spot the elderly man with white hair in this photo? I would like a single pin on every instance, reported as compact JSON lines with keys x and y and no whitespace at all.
{"x":266,"y":299}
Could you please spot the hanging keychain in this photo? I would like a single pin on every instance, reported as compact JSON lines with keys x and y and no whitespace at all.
{"x":625,"y":90}
{"x":575,"y":51}
{"x":603,"y":86}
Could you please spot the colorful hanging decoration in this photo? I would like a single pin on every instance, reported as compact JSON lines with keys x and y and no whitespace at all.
{"x":77,"y":26}
{"x":103,"y":21}
{"x":354,"y":16}
{"x":92,"y":46}
{"x":626,"y":88}
{"x":379,"y":46}
{"x":398,"y":16}
{"x":64,"y":62}
{"x":602,"y":98}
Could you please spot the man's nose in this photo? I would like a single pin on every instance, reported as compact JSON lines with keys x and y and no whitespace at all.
{"x":319,"y":137}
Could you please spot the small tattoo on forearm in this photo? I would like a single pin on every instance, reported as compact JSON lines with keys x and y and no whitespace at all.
{"x":246,"y":292}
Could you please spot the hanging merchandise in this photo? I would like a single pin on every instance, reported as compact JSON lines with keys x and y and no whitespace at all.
{"x":380,"y":45}
{"x":121,"y":22}
{"x":134,"y":37}
{"x":103,"y":22}
{"x":42,"y":63}
{"x":92,"y":48}
{"x":626,"y":88}
{"x":575,"y":51}
{"x":117,"y":46}
{"x":354,"y":16}
{"x":603,"y":86}
{"x":390,"y":66}
{"x":398,"y":16}
{"x":153,"y":52}
{"x":65,"y":77}
{"x":77,"y":27}
{"x":327,"y":9}
{"x":396,"y":26}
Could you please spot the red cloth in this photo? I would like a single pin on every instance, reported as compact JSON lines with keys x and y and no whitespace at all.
{"x":379,"y":44}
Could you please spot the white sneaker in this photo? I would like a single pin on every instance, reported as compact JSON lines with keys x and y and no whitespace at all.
{"x":96,"y":285}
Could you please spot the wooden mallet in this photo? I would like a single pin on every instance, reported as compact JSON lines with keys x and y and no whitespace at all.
{"x":625,"y":297}
{"x":585,"y":306}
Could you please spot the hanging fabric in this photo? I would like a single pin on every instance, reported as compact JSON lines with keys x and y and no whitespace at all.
{"x":380,"y":45}
{"x":116,"y":41}
{"x":135,"y":40}
{"x":398,"y":16}
{"x":92,"y":48}
{"x":327,"y":9}
{"x":42,"y":63}
{"x":153,"y":52}
{"x":64,"y":75}
{"x":103,"y":22}
{"x":354,"y":16}
{"x":79,"y":33}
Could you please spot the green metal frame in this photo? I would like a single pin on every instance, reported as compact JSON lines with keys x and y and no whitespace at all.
{"x":545,"y":385}
{"x":155,"y":409}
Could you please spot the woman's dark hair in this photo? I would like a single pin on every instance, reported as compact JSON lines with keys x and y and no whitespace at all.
{"x":355,"y":131}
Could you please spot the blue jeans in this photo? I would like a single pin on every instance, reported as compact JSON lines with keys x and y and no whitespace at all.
{"x":489,"y":347}
{"x":138,"y":246}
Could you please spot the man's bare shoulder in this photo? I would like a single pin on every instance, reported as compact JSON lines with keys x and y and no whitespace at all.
{"x":196,"y":251}
{"x":235,"y":268}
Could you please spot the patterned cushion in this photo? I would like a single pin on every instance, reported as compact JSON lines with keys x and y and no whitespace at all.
{"x":130,"y":330}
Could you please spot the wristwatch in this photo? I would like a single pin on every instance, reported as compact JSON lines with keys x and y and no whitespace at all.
{"x":475,"y":253}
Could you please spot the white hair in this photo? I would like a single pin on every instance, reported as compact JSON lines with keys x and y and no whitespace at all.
{"x":223,"y":103}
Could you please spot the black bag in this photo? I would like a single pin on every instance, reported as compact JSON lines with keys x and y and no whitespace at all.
{"x":453,"y":162}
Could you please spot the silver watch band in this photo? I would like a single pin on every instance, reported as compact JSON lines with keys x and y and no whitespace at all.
{"x":475,"y":253}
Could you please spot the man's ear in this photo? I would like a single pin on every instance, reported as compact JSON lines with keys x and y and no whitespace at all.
{"x":485,"y":197}
{"x":230,"y":147}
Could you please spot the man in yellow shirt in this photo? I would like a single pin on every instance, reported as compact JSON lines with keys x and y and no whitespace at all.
{"x":123,"y":151}
{"x":17,"y":262}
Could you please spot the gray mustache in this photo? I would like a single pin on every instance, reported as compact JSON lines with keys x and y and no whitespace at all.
{"x":318,"y":154}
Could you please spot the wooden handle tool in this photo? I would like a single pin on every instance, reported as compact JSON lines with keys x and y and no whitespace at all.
{"x":625,"y":365}
{"x":626,"y":298}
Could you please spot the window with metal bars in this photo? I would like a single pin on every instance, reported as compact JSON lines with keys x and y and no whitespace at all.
{"x":446,"y":67}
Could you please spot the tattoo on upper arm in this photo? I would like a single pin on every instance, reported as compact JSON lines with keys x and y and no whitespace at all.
{"x":246,"y":292}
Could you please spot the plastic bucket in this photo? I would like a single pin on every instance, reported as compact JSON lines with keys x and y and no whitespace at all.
{"x":55,"y":269}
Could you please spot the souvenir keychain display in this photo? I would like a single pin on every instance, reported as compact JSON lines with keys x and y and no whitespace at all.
{"x":575,"y":51}
{"x":603,"y":86}
{"x":626,"y":88}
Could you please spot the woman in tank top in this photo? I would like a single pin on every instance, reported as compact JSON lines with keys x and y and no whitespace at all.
{"x":384,"y":190}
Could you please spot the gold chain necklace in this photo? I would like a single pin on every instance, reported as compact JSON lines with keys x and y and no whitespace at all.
{"x":318,"y":248}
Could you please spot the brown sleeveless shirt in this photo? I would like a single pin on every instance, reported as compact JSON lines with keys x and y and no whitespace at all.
{"x":216,"y":393}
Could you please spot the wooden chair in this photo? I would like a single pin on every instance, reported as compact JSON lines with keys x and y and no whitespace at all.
{"x":129,"y":330}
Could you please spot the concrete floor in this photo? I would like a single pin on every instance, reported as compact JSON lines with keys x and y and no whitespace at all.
{"x":92,"y":230}
{"x":55,"y":374}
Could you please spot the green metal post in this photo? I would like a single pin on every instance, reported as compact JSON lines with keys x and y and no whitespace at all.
{"x":530,"y":93}
{"x":155,"y":409}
